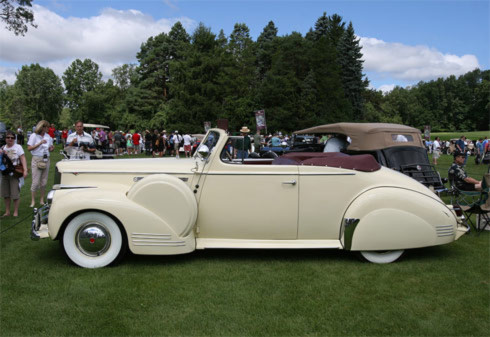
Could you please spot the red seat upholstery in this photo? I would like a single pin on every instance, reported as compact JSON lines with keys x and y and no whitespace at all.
{"x":363,"y":162}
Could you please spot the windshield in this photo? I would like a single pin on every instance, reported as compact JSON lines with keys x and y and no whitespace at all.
{"x":210,"y":142}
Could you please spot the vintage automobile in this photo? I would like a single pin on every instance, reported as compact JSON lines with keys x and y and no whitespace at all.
{"x":396,"y":146}
{"x":165,"y":206}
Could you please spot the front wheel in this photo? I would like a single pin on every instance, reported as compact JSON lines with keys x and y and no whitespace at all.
{"x":382,"y":256}
{"x":93,"y":240}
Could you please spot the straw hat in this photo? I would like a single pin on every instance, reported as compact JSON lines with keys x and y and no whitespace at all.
{"x":244,"y":129}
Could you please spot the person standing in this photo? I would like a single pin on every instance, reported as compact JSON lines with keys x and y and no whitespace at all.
{"x":436,"y":152}
{"x":187,"y":145}
{"x":177,"y":139}
{"x":257,"y":141}
{"x":243,"y":146}
{"x":460,"y":146}
{"x":40,"y":144}
{"x":51,"y":131}
{"x":81,"y":144}
{"x":136,"y":142}
{"x":10,"y":183}
{"x":129,"y":143}
{"x":64,"y":136}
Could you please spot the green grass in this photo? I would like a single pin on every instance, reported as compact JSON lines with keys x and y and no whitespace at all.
{"x":473,"y":135}
{"x":435,"y":291}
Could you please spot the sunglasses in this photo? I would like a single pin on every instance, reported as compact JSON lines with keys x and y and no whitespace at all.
{"x":9,"y":137}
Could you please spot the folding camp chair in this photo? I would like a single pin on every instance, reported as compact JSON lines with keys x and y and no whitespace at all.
{"x":471,"y":202}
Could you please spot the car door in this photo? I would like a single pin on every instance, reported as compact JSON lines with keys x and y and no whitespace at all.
{"x":256,"y":202}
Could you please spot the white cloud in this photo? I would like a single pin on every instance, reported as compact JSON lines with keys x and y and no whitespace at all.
{"x":7,"y":74}
{"x":386,"y":88}
{"x":110,"y":39}
{"x":412,"y":63}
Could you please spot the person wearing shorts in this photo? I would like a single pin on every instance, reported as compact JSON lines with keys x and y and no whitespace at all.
{"x":10,"y":189}
{"x":187,"y":145}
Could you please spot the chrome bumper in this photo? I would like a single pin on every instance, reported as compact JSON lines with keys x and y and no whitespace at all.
{"x":39,"y":225}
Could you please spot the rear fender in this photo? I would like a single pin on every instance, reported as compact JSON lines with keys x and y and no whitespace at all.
{"x":389,"y":218}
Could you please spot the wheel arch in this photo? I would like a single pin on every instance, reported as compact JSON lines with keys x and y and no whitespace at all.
{"x":69,"y":218}
{"x":393,"y":218}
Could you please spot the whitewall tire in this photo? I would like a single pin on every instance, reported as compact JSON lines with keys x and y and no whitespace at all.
{"x":382,"y":256}
{"x":93,"y":240}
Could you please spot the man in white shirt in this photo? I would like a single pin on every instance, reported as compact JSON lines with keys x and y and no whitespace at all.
{"x":80,"y":144}
{"x":187,"y":145}
{"x":177,"y":139}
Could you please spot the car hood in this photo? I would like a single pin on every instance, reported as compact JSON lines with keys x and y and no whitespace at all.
{"x":143,"y":165}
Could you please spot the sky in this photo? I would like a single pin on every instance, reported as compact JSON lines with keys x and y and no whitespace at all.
{"x":403,"y":42}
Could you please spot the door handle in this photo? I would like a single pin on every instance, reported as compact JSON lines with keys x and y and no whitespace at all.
{"x":292,"y":182}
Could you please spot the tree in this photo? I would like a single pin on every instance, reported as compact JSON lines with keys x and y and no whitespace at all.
{"x":350,"y":60}
{"x":16,"y":15}
{"x":125,"y":75}
{"x":197,"y":95}
{"x":38,"y":95}
{"x":265,"y":49}
{"x":80,"y":77}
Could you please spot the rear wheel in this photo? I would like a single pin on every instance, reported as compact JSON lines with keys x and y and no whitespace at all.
{"x":387,"y":256}
{"x":93,"y":240}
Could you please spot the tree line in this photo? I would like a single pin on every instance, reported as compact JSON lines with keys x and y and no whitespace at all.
{"x":182,"y":80}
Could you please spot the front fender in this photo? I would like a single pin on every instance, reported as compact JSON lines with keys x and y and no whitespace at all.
{"x":157,"y":218}
{"x":389,"y":218}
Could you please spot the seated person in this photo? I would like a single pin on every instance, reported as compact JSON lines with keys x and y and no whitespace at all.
{"x":459,"y":177}
{"x":337,"y":143}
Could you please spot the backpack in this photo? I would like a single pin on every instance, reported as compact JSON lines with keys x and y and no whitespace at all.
{"x":6,"y":165}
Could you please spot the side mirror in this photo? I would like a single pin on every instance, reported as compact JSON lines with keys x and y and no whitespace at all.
{"x":203,"y":151}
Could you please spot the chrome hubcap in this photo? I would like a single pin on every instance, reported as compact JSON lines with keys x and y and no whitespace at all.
{"x":93,"y":239}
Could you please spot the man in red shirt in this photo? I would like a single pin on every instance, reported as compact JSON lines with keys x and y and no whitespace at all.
{"x":136,"y":142}
{"x":51,"y":131}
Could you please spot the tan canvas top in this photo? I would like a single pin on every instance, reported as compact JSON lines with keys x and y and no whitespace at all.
{"x":371,"y":136}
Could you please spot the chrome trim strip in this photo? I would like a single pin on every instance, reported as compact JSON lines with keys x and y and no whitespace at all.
{"x":445,"y":235}
{"x":126,"y":172}
{"x":348,"y":227}
{"x":215,"y":174}
{"x":276,"y":174}
{"x":166,"y":235}
{"x":156,"y":241}
{"x":161,"y":244}
{"x":70,"y":187}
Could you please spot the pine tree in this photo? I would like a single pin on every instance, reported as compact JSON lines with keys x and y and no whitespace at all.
{"x":350,"y":60}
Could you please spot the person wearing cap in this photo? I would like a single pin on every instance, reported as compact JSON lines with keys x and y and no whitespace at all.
{"x":457,"y":174}
{"x":243,"y":146}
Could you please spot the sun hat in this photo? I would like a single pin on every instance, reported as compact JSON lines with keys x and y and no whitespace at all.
{"x":244,"y":129}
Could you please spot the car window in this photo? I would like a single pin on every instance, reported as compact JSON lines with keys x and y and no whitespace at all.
{"x":210,"y":141}
{"x":401,"y":138}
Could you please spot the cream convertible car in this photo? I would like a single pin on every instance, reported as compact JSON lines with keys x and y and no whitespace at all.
{"x":301,"y":200}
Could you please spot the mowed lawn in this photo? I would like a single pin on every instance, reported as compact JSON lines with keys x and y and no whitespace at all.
{"x":436,"y":291}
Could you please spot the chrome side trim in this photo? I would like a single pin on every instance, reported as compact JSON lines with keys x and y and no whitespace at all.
{"x":444,"y":230}
{"x":150,"y":239}
{"x":348,"y":227}
{"x":176,"y":244}
{"x":70,"y":187}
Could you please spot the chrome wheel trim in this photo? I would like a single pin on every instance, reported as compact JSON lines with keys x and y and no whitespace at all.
{"x":93,"y":239}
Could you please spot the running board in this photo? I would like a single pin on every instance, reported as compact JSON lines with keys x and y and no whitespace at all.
{"x":272,"y":244}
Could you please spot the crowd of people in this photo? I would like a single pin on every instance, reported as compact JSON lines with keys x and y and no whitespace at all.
{"x":82,"y":145}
